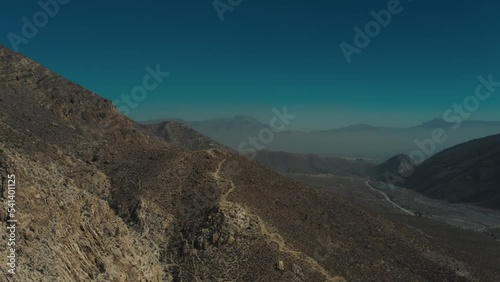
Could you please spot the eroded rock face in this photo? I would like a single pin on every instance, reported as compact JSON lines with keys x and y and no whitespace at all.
{"x":67,"y":234}
{"x":100,"y":200}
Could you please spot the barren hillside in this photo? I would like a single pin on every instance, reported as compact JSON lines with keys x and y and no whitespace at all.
{"x":99,"y":200}
{"x":465,"y":173}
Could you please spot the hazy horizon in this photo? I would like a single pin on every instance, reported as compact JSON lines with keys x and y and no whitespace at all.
{"x":292,"y":127}
{"x":419,"y":66}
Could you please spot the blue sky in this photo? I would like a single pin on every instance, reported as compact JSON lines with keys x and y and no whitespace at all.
{"x":268,"y":54}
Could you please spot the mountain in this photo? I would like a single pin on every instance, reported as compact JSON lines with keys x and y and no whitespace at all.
{"x":180,"y":135}
{"x":183,"y":137}
{"x":237,"y":123}
{"x":98,"y":199}
{"x":361,"y":128}
{"x":440,"y":123}
{"x":397,"y":166}
{"x":435,"y":123}
{"x":468,"y":173}
{"x":360,"y":141}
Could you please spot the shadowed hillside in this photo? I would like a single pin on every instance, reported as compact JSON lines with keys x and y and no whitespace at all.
{"x":394,"y":168}
{"x":469,"y":172}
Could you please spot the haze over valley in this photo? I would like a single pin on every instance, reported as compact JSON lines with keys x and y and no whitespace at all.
{"x":357,"y":141}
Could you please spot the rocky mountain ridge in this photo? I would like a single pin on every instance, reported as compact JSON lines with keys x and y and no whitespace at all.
{"x":101,"y":200}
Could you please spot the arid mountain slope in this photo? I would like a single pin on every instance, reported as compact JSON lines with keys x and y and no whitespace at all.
{"x":99,"y":200}
{"x":180,"y":135}
{"x":468,"y":172}
{"x":396,"y":167}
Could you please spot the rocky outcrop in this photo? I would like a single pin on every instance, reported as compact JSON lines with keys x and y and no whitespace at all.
{"x":181,"y":136}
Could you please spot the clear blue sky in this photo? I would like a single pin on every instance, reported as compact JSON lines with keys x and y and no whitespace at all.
{"x":269,"y":54}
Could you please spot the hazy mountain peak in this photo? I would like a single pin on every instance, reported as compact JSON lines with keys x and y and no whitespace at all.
{"x":354,"y":127}
{"x":233,"y":119}
{"x":436,"y":123}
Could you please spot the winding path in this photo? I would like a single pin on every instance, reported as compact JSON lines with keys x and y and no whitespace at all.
{"x":389,"y":199}
{"x":273,"y":236}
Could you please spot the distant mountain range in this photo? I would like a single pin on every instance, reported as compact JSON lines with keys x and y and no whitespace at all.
{"x":468,"y":172}
{"x":356,"y":141}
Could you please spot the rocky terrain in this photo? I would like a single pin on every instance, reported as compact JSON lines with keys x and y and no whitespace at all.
{"x":180,"y":135}
{"x":98,"y":199}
